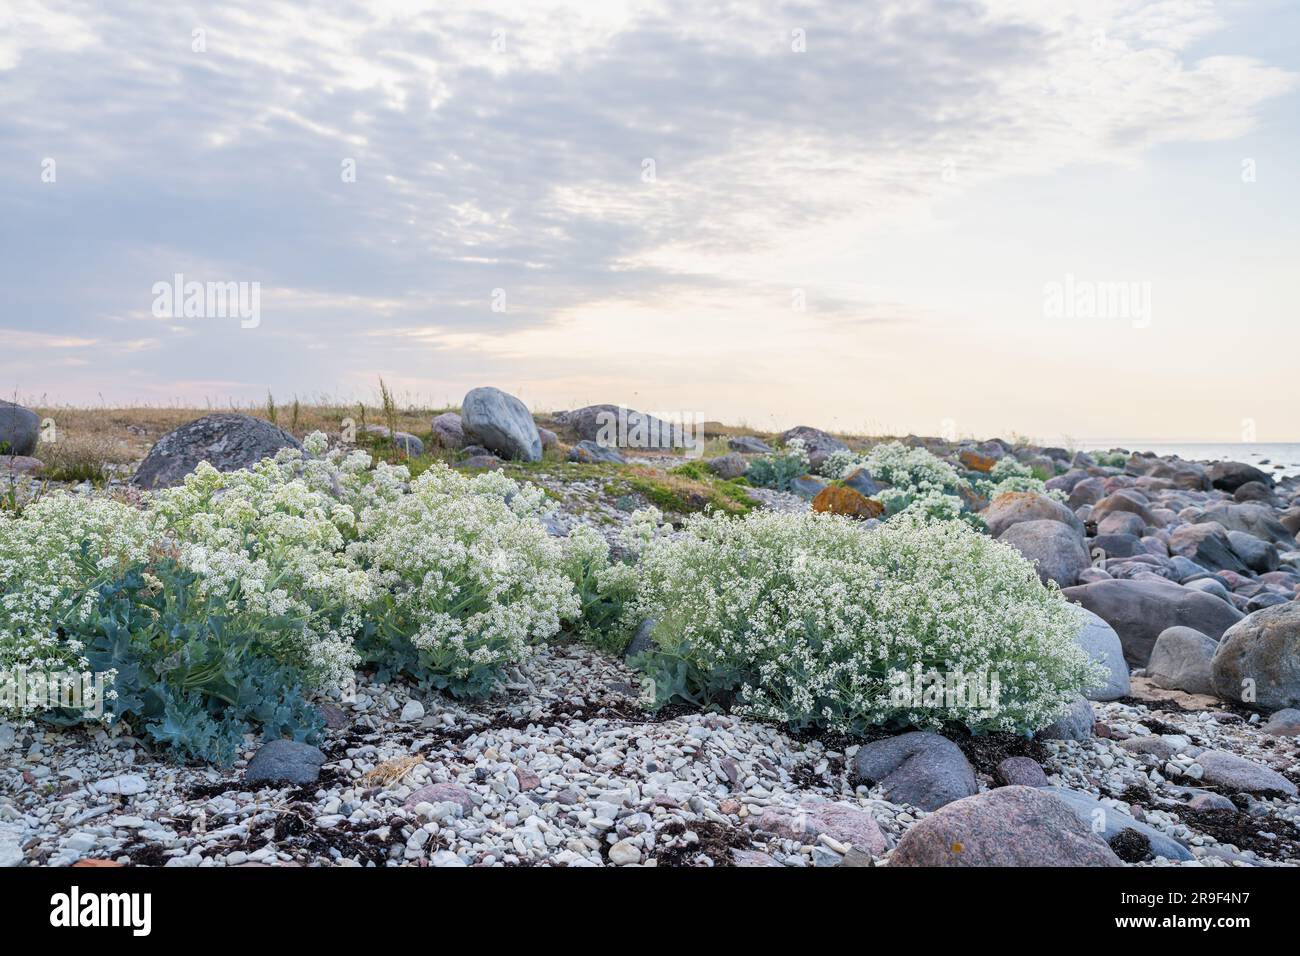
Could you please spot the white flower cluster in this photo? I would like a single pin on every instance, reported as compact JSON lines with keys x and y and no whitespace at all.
{"x":806,"y":617}
{"x":470,"y":575}
{"x":1010,"y":474}
{"x":50,"y":559}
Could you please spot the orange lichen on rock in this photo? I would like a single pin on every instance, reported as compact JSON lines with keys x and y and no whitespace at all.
{"x":841,"y":500}
{"x":975,"y":461}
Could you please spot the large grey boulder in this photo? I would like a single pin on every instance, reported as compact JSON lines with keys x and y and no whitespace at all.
{"x":501,"y":423}
{"x":1139,"y":610}
{"x":1109,"y":822}
{"x":917,"y":768}
{"x":227,"y":441}
{"x":1016,"y":507}
{"x":618,"y":427}
{"x":20,"y":429}
{"x":1258,"y":660}
{"x":1255,"y":519}
{"x":1180,"y":660}
{"x":1055,"y":549}
{"x":1231,"y":475}
{"x":1206,"y":544}
{"x":1009,"y":826}
{"x":1102,"y":645}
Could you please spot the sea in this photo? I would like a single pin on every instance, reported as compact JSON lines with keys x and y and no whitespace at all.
{"x":1263,"y":455}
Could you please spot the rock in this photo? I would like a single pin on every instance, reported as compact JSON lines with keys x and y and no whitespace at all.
{"x":818,"y":444}
{"x":842,"y":822}
{"x":1207,"y":545}
{"x":753,"y":858}
{"x":591,"y":453}
{"x":919,"y":768}
{"x":1089,"y":491}
{"x":1015,"y":507}
{"x":1021,"y":772}
{"x":20,"y":465}
{"x":1121,"y":522}
{"x":413,"y":710}
{"x":1290,"y":520}
{"x":1257,"y":555}
{"x":478,"y":463}
{"x":500,"y":423}
{"x":446,"y":858}
{"x":1009,"y":826}
{"x":548,"y":437}
{"x":449,"y":431}
{"x":1124,"y":502}
{"x":728,"y":466}
{"x":807,"y":486}
{"x":12,"y":838}
{"x":641,"y":641}
{"x":624,"y":853}
{"x":1116,"y":545}
{"x":1283,"y":723}
{"x":1180,"y":660}
{"x":1056,"y":550}
{"x":859,"y":479}
{"x":435,"y":793}
{"x":1259,"y":658}
{"x":20,"y":429}
{"x":749,"y":445}
{"x":1075,"y":724}
{"x":403,"y":441}
{"x":284,"y":762}
{"x":1255,"y":491}
{"x":1231,"y":475}
{"x":227,"y":441}
{"x":127,"y":785}
{"x":973,"y":460}
{"x":1108,"y":822}
{"x":617,"y":427}
{"x":1230,"y":772}
{"x":1139,"y":610}
{"x":1102,"y":645}
{"x":843,"y":500}
{"x":1252,"y":519}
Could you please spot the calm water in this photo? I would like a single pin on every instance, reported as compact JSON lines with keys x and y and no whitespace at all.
{"x":1287,"y":455}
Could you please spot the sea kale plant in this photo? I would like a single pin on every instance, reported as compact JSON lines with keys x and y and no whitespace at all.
{"x":465,"y":577}
{"x":811,"y":620}
{"x":780,"y":468}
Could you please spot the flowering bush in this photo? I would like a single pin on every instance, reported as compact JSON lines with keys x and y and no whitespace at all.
{"x":807,"y":619}
{"x":464,"y":577}
{"x":1010,"y":474}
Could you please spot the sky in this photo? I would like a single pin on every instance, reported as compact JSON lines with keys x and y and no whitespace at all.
{"x":1057,"y":220}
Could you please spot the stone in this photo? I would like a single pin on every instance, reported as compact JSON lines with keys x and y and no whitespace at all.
{"x":749,"y":858}
{"x":1127,"y":502}
{"x":501,"y":423}
{"x":1207,"y":545}
{"x":1015,"y":507}
{"x":843,"y":500}
{"x":478,"y":463}
{"x":1283,"y":723}
{"x":446,"y":858}
{"x":1231,"y":475}
{"x":1116,"y":546}
{"x":1056,"y":550}
{"x":1180,"y":660}
{"x":590,"y":453}
{"x":1140,"y":610}
{"x":1256,"y":554}
{"x":973,"y":460}
{"x":1253,"y":491}
{"x":1121,"y":522}
{"x":859,"y":479}
{"x":641,"y":641}
{"x":1231,"y":772}
{"x":1102,"y":645}
{"x":624,"y":853}
{"x":918,"y":768}
{"x":807,"y":486}
{"x":12,"y":838}
{"x":842,"y":822}
{"x":615,"y":426}
{"x":749,"y":445}
{"x":435,"y":793}
{"x":1075,"y":724}
{"x":1089,"y":491}
{"x":1009,"y":826}
{"x":21,"y":465}
{"x":449,"y":431}
{"x":818,"y":444}
{"x":127,"y":785}
{"x":1258,"y":520}
{"x":728,"y":466}
{"x":1108,"y":822}
{"x":227,"y":441}
{"x":413,"y":710}
{"x":1021,"y":772}
{"x":1259,"y":658}
{"x":20,"y":429}
{"x":284,"y":762}
{"x":548,"y":437}
{"x":403,"y":441}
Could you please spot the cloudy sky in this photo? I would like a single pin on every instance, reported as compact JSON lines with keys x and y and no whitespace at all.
{"x":1053,"y":219}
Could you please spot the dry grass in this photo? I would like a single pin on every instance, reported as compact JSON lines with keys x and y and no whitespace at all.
{"x":392,"y":771}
